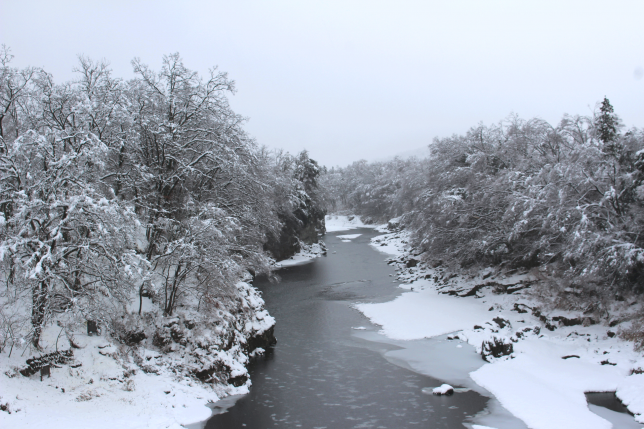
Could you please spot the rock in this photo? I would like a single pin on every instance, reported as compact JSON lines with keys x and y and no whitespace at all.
{"x":168,"y":322}
{"x":189,"y":323}
{"x":496,"y":348}
{"x":502,"y":322}
{"x":263,"y":340}
{"x":135,"y":337}
{"x":521,"y":308}
{"x":394,"y":224}
{"x":238,"y":381}
{"x":537,"y":313}
{"x":161,"y":338}
{"x":444,"y":389}
{"x":610,"y":334}
{"x":550,"y":327}
{"x":536,"y":330}
{"x":570,"y":356}
{"x":177,"y":334}
{"x":412,"y":263}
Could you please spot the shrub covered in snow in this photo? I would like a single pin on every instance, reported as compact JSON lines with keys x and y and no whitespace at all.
{"x":496,"y":348}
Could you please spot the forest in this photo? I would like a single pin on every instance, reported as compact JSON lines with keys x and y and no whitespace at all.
{"x":136,"y":204}
{"x":142,"y":206}
{"x":566,"y":201}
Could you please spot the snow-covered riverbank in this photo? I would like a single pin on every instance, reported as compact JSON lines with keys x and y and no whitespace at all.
{"x":307,"y":253}
{"x":160,"y":383}
{"x":166,"y":381}
{"x":556,"y":356}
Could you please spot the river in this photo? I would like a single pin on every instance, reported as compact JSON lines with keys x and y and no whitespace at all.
{"x":323,"y":373}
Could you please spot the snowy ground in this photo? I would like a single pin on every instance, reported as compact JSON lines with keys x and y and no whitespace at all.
{"x":544,"y":379}
{"x":304,"y":256}
{"x":99,"y":394}
{"x":109,"y":385}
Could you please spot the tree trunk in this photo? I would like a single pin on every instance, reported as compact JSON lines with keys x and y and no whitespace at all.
{"x":39,"y":307}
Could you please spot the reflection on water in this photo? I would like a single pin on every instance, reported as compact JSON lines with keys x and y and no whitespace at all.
{"x":609,"y":407}
{"x":319,"y":374}
{"x":607,"y":400}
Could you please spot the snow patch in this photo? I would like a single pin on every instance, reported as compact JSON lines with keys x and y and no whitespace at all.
{"x":551,"y":389}
{"x":308,"y":253}
{"x":424,"y":314}
{"x":336,"y":223}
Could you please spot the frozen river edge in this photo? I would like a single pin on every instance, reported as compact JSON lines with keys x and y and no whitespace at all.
{"x":534,"y":383}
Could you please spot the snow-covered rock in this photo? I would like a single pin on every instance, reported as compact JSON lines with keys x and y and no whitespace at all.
{"x":444,"y":389}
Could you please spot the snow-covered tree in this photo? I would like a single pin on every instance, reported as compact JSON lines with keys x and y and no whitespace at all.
{"x":520,"y":193}
{"x":64,"y":245}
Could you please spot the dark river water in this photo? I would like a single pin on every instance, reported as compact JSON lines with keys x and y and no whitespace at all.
{"x":323,"y":373}
{"x":319,"y":375}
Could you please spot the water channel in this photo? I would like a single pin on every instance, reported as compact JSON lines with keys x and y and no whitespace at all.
{"x":325,"y":373}
{"x":321,"y":375}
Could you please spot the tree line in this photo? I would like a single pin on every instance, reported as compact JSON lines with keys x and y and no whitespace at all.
{"x":150,"y":187}
{"x":567,"y":198}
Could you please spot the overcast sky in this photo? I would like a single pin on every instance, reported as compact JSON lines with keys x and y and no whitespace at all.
{"x":348,"y":80}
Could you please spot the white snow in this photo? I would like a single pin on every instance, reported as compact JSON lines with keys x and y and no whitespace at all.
{"x":391,"y":244}
{"x":297,"y":259}
{"x":631,"y":392}
{"x":335,"y":223}
{"x":443,"y":389}
{"x":109,"y":390}
{"x":535,"y":384}
{"x":424,"y":313}
{"x":306,"y":255}
{"x":619,"y":420}
{"x":96,"y":396}
{"x":551,"y":390}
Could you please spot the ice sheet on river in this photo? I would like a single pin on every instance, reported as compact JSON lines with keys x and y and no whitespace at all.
{"x":424,"y":314}
{"x":537,"y":385}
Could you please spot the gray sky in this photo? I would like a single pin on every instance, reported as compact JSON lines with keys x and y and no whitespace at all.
{"x":360,"y":79}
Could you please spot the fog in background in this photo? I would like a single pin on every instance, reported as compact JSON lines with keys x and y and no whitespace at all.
{"x":360,"y":79}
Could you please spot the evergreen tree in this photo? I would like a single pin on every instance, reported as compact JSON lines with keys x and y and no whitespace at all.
{"x":606,"y":124}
